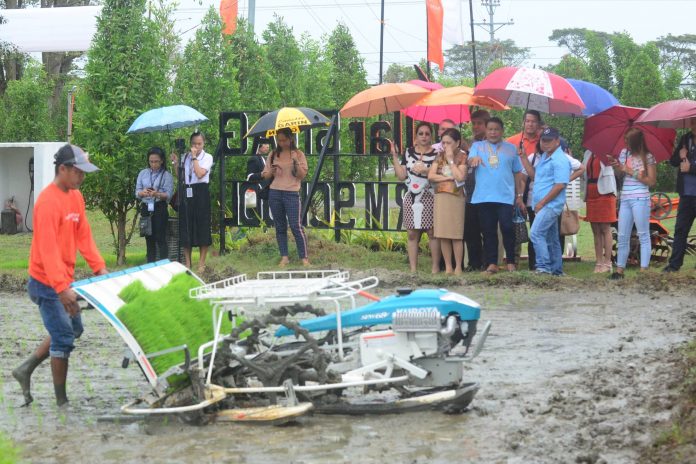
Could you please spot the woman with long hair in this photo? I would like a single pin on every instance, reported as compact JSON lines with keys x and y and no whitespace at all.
{"x":448,"y":174}
{"x":154,"y":187}
{"x":286,"y":167}
{"x":418,"y":204}
{"x":637,"y":165}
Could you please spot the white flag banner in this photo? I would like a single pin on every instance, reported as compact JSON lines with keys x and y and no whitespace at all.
{"x":453,"y":23}
{"x":67,"y":29}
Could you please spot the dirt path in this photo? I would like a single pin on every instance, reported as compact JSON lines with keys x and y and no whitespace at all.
{"x":565,"y":377}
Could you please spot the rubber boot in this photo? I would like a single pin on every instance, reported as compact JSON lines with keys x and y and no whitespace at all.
{"x":59,"y":368}
{"x":23,"y":375}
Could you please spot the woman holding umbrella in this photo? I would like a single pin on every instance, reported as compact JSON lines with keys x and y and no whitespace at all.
{"x":637,"y":166}
{"x":286,"y":167}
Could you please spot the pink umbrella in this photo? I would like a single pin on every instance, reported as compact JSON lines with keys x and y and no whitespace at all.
{"x":427,"y":85}
{"x":436,"y":114}
{"x":533,"y":89}
{"x":674,"y":114}
{"x":604,"y":133}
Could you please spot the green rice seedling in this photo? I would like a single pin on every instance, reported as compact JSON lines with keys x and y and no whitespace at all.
{"x":166,"y":318}
{"x":9,"y":452}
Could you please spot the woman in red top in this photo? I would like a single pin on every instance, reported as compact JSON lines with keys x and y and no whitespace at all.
{"x":600,"y":198}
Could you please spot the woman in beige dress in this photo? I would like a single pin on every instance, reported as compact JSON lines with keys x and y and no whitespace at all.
{"x":448,"y":173}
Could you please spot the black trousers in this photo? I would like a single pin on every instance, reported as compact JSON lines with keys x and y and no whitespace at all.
{"x":491,"y":216}
{"x":472,"y":237}
{"x":685,"y":219}
{"x":157,"y":242}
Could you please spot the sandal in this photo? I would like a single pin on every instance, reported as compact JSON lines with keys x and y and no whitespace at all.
{"x":599,"y":268}
{"x":490,"y":271}
{"x":283,"y":262}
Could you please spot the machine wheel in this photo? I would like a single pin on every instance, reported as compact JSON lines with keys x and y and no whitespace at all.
{"x":660,"y":205}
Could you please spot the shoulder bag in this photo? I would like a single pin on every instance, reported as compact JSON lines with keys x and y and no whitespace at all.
{"x":570,"y":221}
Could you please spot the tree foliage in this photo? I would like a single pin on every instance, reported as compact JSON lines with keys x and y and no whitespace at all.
{"x":206,"y":77}
{"x":126,"y":74}
{"x":258,"y":88}
{"x":598,"y":61}
{"x":399,"y":73}
{"x":571,"y":67}
{"x":459,"y":59}
{"x":285,"y":60}
{"x":348,"y":75}
{"x":25,"y":113}
{"x":643,"y":86}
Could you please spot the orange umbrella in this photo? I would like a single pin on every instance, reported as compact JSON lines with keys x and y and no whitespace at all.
{"x":460,"y":95}
{"x":382,"y":99}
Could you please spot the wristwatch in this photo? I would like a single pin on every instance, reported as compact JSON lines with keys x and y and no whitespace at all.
{"x":450,"y":161}
{"x":520,"y":195}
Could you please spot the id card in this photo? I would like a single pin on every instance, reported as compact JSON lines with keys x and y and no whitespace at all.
{"x":189,"y":192}
{"x":150,"y":206}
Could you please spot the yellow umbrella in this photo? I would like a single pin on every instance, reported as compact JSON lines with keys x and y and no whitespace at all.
{"x":295,"y":119}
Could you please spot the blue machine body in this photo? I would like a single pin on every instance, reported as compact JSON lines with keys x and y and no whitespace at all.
{"x":381,"y":312}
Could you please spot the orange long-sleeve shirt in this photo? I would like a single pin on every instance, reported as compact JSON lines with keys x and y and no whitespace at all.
{"x":60,"y":229}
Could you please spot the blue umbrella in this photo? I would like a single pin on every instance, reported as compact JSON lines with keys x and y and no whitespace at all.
{"x":596,"y":98}
{"x":166,"y":118}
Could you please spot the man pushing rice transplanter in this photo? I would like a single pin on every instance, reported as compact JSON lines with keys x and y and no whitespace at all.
{"x":60,"y":230}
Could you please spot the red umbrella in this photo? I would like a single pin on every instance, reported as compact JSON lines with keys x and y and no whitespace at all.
{"x":675,"y":114}
{"x":604,"y":133}
{"x":533,"y":89}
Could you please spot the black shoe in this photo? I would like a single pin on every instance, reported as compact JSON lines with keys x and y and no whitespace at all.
{"x":616,"y":276}
{"x":670,"y":269}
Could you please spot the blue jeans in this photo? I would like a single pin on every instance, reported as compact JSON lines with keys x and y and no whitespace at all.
{"x":634,"y":211}
{"x":62,"y":328}
{"x":544,"y":237}
{"x":286,"y":208}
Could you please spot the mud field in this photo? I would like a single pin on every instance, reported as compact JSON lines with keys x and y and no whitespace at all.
{"x":573,"y":376}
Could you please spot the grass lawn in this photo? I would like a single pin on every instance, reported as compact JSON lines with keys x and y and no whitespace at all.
{"x":256,"y":250}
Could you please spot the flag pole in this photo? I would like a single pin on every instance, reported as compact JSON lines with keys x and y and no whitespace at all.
{"x":473,"y":41}
{"x":427,"y":41}
{"x":381,"y":44}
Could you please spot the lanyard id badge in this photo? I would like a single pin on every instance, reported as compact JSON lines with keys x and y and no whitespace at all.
{"x":189,"y":192}
{"x":151,"y":206}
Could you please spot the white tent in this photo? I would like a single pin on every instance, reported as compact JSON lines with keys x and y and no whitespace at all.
{"x":68,"y":29}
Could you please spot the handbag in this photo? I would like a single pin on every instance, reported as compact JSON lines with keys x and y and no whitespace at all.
{"x":447,"y":187}
{"x":570,"y":221}
{"x":145,"y":226}
{"x":519,"y":224}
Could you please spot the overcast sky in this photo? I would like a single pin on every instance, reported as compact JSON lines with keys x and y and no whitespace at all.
{"x":405,"y":31}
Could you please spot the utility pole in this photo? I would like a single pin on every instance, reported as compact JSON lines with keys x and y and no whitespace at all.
{"x":491,"y":25}
{"x":251,"y":15}
{"x":473,"y":40}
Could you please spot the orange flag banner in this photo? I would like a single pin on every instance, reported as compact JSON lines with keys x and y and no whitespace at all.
{"x":435,"y":15}
{"x":228,"y":13}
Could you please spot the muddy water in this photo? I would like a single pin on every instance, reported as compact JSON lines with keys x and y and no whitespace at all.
{"x":564,"y":378}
